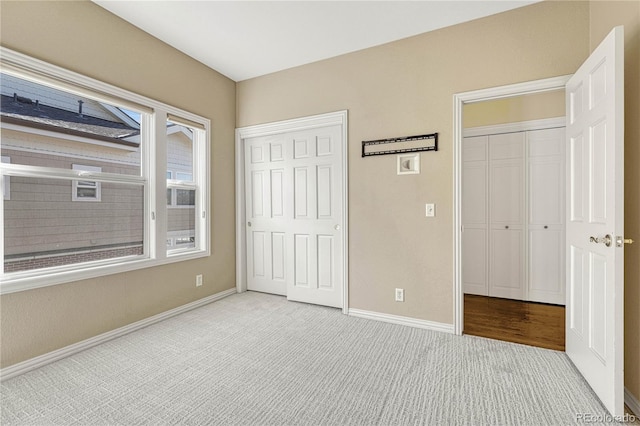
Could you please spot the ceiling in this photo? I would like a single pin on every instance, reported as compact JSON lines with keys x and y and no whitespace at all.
{"x":246,"y":39}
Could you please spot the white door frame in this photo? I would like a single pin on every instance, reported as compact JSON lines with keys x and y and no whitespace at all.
{"x":459,"y":99}
{"x":293,"y":125}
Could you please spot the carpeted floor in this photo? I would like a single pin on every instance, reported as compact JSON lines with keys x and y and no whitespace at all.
{"x":257,"y":359}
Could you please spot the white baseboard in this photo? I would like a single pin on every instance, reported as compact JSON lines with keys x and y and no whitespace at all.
{"x":395,"y":319}
{"x":632,"y":402}
{"x":42,"y":360}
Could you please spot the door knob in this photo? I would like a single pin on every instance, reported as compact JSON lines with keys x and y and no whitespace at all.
{"x":337,"y":227}
{"x":249,"y":224}
{"x":606,"y":240}
{"x":620,"y":241}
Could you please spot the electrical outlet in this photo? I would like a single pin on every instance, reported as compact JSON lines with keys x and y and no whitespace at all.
{"x":399,"y":295}
{"x":198,"y":280}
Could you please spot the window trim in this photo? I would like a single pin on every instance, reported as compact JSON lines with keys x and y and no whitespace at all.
{"x":153,"y":176}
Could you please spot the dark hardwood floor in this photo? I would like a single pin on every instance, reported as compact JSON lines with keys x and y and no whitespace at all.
{"x":535,"y":324}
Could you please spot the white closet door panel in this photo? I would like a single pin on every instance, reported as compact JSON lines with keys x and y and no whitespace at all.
{"x":475,"y":148}
{"x":325,"y":252}
{"x":277,"y":193}
{"x":315,"y":243}
{"x":259,"y":258}
{"x":259,"y":182}
{"x":324,"y":176}
{"x":474,"y":261}
{"x":546,"y":143}
{"x":506,"y":146}
{"x":278,"y":256}
{"x":474,"y":193}
{"x":546,"y":258}
{"x":506,"y":192}
{"x":302,"y":260}
{"x":302,"y":193}
{"x":265,"y":201}
{"x":507,"y":264}
{"x":546,"y":191}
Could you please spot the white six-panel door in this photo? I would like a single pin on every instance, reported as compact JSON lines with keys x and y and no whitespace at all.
{"x":294,"y":215}
{"x":595,"y":141}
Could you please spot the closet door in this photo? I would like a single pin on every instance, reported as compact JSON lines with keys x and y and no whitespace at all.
{"x":475,"y":215}
{"x":546,"y":216}
{"x":507,"y":212}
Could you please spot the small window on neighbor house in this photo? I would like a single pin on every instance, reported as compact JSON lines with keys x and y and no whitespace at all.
{"x":86,"y":190}
{"x":6,"y":187}
{"x":185,"y":197}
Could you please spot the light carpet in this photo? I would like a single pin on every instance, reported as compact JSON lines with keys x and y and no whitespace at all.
{"x":257,"y":359}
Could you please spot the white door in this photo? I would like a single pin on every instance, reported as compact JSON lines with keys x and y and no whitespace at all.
{"x":265,"y":209}
{"x":595,"y":140}
{"x":294,"y":215}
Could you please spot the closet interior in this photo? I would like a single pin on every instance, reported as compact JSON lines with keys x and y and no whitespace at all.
{"x":513,"y":216}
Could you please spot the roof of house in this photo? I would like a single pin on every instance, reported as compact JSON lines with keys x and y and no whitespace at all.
{"x":24,"y":111}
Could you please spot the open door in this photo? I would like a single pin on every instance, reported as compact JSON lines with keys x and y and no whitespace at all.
{"x":595,"y":220}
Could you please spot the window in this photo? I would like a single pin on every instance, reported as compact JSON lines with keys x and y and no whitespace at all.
{"x":86,"y":190}
{"x":182,"y":142}
{"x":67,"y":133}
{"x":6,"y":186}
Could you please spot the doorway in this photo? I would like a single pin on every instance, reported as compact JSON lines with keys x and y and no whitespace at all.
{"x":460,"y":101}
{"x":513,"y":218}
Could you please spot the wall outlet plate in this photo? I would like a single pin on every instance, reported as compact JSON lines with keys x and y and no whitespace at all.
{"x":198,"y":280}
{"x":408,"y":164}
{"x":399,"y":295}
{"x":430,"y":210}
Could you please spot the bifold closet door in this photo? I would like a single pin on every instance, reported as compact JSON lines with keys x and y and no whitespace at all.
{"x":294,"y":215}
{"x":475,"y":215}
{"x":546,"y":252}
{"x":506,"y":214}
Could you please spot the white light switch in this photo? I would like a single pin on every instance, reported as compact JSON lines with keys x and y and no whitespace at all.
{"x":430,"y":210}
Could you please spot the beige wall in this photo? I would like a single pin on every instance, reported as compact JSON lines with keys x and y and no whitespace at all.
{"x":604,"y":16}
{"x":85,"y":38}
{"x":406,"y":88}
{"x":536,"y":106}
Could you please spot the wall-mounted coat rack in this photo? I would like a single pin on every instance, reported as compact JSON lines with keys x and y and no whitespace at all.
{"x":417,"y":143}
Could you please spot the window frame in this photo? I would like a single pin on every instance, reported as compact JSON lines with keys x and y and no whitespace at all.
{"x":153,"y":147}
{"x":6,"y":181}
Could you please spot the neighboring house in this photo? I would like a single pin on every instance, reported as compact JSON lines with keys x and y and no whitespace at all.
{"x":52,"y":222}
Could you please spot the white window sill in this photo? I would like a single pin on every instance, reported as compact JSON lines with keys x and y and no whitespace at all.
{"x":29,"y":280}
